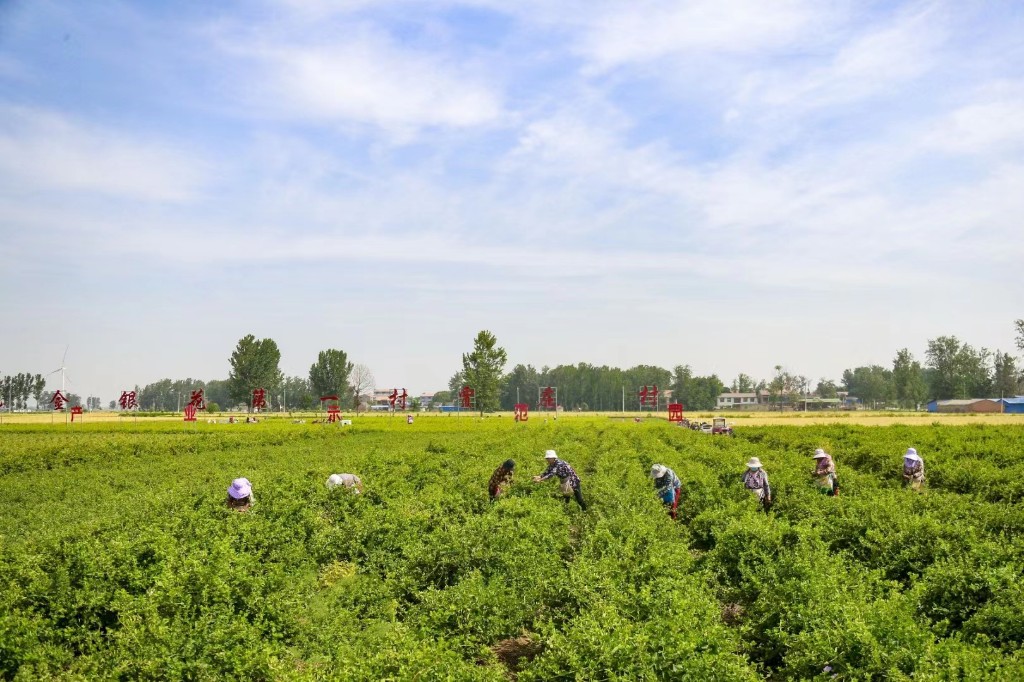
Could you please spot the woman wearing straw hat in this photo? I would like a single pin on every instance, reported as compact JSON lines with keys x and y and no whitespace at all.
{"x":571,"y":486}
{"x":913,"y":470}
{"x":667,"y":486}
{"x":825,"y":473}
{"x":756,"y":480}
{"x":240,"y":496}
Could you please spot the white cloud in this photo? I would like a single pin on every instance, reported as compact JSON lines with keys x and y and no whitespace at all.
{"x":366,"y":78}
{"x":621,"y":33}
{"x":40,"y":149}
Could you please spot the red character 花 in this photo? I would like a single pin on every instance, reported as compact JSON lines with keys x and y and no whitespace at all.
{"x":522,"y":412}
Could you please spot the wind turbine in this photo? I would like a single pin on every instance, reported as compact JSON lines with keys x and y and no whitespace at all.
{"x":61,"y":370}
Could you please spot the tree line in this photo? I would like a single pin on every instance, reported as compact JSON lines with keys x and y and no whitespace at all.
{"x":951,"y":369}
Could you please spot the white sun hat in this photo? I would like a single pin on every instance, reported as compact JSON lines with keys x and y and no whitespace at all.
{"x":912,"y":454}
{"x":658,"y":470}
{"x":550,"y":454}
{"x":819,"y":453}
{"x":754,"y":462}
{"x":335,"y":480}
{"x":240,"y":488}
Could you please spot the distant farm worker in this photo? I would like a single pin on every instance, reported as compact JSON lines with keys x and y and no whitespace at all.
{"x":501,"y":479}
{"x":756,"y":480}
{"x":825,"y":473}
{"x":913,"y":470}
{"x":240,"y":496}
{"x":347,"y":480}
{"x":667,"y":486}
{"x":566,"y":474}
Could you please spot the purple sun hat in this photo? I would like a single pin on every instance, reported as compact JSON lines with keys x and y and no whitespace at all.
{"x":240,"y":488}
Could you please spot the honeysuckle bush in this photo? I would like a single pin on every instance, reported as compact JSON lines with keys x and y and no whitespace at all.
{"x":118,"y":558}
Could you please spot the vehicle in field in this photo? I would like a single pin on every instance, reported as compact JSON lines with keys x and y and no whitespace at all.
{"x":719,"y":427}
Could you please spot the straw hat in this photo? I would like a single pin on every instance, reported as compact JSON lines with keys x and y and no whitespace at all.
{"x":550,"y":454}
{"x":658,"y":470}
{"x":754,"y":462}
{"x":240,"y":488}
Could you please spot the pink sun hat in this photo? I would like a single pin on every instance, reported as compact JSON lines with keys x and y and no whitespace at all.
{"x":240,"y":488}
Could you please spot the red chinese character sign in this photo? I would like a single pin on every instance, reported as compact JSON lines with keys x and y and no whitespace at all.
{"x":76,"y":410}
{"x":197,"y":400}
{"x":128,"y":401}
{"x":259,"y":399}
{"x":675,"y":412}
{"x":548,"y":398}
{"x":58,"y":400}
{"x":649,"y":397}
{"x":522,"y":412}
{"x":398,"y":399}
{"x":190,"y":412}
{"x":467,"y":397}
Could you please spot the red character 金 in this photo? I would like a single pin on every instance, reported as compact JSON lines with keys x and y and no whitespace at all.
{"x":58,"y":400}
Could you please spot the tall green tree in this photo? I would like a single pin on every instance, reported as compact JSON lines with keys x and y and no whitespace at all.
{"x":908,"y":380}
{"x":873,"y":385}
{"x":742,"y":384}
{"x":826,"y":388}
{"x":482,"y":369}
{"x":1020,"y":334}
{"x":957,"y":369}
{"x":1006,"y":380}
{"x":329,"y":375}
{"x":254,"y":364}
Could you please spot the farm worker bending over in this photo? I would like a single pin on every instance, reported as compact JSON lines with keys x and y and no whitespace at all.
{"x":913,"y":470}
{"x":668,"y":486}
{"x":240,"y":495}
{"x":501,"y":479}
{"x":756,"y":480}
{"x":825,"y":473}
{"x":566,"y":474}
{"x":347,"y":480}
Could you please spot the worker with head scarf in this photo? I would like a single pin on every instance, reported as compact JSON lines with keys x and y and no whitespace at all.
{"x":756,"y":481}
{"x":667,"y":486}
{"x":501,"y":479}
{"x":825,"y":473}
{"x":913,"y":470}
{"x":571,"y":486}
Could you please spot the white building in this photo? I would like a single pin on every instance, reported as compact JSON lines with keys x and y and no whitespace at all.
{"x":738,"y":401}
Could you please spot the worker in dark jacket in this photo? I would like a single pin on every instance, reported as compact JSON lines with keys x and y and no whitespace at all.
{"x":571,"y":486}
{"x":667,"y":486}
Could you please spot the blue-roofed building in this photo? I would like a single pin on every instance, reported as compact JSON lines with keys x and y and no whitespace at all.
{"x":1013,"y":405}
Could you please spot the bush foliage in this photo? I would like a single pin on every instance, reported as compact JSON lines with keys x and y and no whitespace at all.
{"x":118,"y":558}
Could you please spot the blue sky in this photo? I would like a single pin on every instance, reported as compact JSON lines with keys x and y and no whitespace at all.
{"x":730,"y":184}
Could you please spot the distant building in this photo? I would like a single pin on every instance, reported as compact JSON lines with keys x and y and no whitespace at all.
{"x":1013,"y":405}
{"x":815,"y":404}
{"x":971,"y":405}
{"x":739,"y":401}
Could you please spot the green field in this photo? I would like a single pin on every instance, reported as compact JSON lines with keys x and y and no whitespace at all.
{"x":119,"y":560}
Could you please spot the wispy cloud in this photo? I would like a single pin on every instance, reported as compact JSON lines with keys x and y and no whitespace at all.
{"x":44,"y":150}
